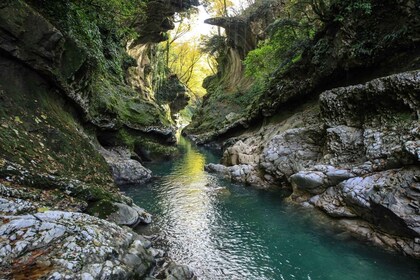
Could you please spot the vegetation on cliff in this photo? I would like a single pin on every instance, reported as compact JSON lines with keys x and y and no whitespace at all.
{"x":64,"y":93}
{"x":291,"y":50}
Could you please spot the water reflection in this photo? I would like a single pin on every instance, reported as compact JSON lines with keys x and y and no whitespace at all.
{"x":228,"y":231}
{"x":189,"y":203}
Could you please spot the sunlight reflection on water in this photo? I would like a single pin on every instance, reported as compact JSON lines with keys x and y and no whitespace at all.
{"x":228,"y":231}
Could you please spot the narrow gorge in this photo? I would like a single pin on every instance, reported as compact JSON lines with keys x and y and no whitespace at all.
{"x":278,"y":139}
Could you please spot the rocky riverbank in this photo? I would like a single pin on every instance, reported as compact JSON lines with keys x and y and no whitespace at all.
{"x":354,"y":154}
{"x":45,"y":244}
{"x":45,"y":235}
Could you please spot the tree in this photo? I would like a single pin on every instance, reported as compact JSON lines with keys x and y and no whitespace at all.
{"x":190,"y":64}
{"x":218,"y":8}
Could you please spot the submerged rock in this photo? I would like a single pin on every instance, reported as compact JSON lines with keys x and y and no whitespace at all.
{"x":176,"y":272}
{"x":243,"y":173}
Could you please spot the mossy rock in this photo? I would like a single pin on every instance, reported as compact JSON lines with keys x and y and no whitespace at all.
{"x":102,"y":208}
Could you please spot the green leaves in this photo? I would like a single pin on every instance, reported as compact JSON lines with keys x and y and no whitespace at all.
{"x":288,"y":38}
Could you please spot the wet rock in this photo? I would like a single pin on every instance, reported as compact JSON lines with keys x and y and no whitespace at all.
{"x":332,"y":203}
{"x":220,"y":169}
{"x":130,"y":172}
{"x":314,"y":182}
{"x":364,"y":231}
{"x":333,"y":175}
{"x":387,"y":200}
{"x":129,"y":215}
{"x":179,"y":272}
{"x":125,"y":170}
{"x":292,"y":151}
{"x":242,"y":173}
{"x":338,"y":175}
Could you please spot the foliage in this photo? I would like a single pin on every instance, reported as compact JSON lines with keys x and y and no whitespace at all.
{"x":189,"y":63}
{"x":293,"y":31}
{"x":101,"y":28}
{"x":218,"y":7}
{"x":355,"y":8}
{"x":117,"y":15}
{"x":213,"y":44}
{"x":288,"y":36}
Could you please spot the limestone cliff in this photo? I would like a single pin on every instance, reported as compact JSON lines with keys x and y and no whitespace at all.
{"x":354,"y":154}
{"x":342,"y":52}
{"x":72,"y":124}
{"x":229,"y":91}
{"x":339,"y":129}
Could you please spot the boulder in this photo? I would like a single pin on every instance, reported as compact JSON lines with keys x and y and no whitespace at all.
{"x":388,"y":199}
{"x":314,"y":182}
{"x":129,"y":215}
{"x":129,"y":171}
{"x":243,"y":173}
{"x":291,"y":151}
{"x":179,"y":272}
{"x":67,"y":245}
{"x":126,"y":171}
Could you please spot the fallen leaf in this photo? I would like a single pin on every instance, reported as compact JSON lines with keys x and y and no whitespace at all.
{"x":43,"y":209}
{"x":18,"y":120}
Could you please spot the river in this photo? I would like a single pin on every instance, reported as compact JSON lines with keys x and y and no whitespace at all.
{"x":224,"y":230}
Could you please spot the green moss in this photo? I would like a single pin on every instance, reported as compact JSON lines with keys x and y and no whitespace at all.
{"x":124,"y":105}
{"x":38,"y":130}
{"x":212,"y":116}
{"x":146,"y":146}
{"x":93,"y":193}
{"x":101,"y":209}
{"x":154,"y":150}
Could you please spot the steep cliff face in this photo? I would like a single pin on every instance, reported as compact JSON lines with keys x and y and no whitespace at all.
{"x":70,"y":127}
{"x":335,"y":136}
{"x":230,"y":91}
{"x":346,"y":51}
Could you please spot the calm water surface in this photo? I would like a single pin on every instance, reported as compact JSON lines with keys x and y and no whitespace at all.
{"x":228,"y":231}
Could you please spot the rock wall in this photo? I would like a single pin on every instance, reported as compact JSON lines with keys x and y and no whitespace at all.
{"x":60,"y":102}
{"x":354,"y":154}
{"x":344,"y":52}
{"x":338,"y":128}
{"x":229,"y":91}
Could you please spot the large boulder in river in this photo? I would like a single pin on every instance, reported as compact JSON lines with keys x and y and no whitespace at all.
{"x":125,"y":170}
{"x":129,"y":171}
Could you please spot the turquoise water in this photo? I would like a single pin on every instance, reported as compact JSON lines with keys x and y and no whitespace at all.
{"x":228,"y":231}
